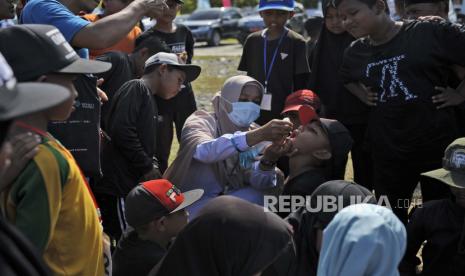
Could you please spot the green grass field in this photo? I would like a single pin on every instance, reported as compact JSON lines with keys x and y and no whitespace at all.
{"x":215,"y":70}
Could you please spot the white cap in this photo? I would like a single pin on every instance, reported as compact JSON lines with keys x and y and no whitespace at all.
{"x":192,"y":71}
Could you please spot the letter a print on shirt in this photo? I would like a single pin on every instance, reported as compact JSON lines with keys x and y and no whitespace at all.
{"x":389,"y":81}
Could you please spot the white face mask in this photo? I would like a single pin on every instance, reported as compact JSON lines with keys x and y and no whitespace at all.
{"x":244,"y":113}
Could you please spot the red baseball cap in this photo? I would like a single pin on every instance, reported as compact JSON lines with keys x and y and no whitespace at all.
{"x":306,"y":114}
{"x":155,"y":199}
{"x":299,"y":98}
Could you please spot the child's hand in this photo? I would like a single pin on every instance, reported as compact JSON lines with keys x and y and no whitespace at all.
{"x":431,"y":18}
{"x":101,"y":94}
{"x":366,"y":95}
{"x":447,"y":97}
{"x":182,"y":57}
{"x":22,"y":147}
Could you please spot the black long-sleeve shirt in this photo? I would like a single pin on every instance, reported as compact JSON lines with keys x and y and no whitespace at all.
{"x":131,"y":126}
{"x":441,"y":223}
{"x":122,"y":70}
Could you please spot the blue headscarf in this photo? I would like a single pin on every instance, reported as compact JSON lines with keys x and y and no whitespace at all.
{"x":362,"y":239}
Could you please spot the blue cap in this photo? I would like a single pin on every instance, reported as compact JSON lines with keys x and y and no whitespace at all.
{"x":286,"y":5}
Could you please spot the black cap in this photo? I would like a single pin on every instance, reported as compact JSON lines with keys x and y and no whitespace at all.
{"x":350,"y":192}
{"x":34,"y":50}
{"x":341,"y":143}
{"x":18,"y":99}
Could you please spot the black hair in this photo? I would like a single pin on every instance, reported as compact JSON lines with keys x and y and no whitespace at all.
{"x":152,"y":43}
{"x":313,"y":26}
{"x":369,"y":3}
{"x":413,"y":2}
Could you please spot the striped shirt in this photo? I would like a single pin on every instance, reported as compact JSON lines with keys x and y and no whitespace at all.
{"x":51,"y":204}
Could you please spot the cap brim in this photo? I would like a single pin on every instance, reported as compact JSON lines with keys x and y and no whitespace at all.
{"x":189,"y":198}
{"x":277,"y":7}
{"x":86,"y":66}
{"x":453,"y":179}
{"x":33,"y":97}
{"x":295,"y":107}
{"x":192,"y":71}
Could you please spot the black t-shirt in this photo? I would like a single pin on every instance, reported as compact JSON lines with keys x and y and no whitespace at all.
{"x":122,"y":70}
{"x":179,"y":41}
{"x":441,"y":223}
{"x":136,"y":257}
{"x":404,"y":72}
{"x":337,"y":102}
{"x":291,"y":61}
{"x":305,"y":183}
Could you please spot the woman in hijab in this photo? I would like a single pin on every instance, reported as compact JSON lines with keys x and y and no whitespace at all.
{"x":230,"y":237}
{"x":308,"y":224}
{"x":362,"y":239}
{"x":337,"y":103}
{"x":218,"y":150}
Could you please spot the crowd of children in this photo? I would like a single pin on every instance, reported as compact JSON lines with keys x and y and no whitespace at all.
{"x":87,"y":107}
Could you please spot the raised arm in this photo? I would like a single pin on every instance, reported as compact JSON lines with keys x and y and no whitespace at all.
{"x":229,"y":144}
{"x":111,"y":29}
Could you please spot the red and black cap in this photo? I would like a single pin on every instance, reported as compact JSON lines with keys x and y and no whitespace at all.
{"x":299,"y":98}
{"x":155,"y":199}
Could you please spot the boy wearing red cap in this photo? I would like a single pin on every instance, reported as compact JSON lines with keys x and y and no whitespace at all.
{"x":339,"y":137}
{"x":307,"y":166}
{"x":156,"y":210}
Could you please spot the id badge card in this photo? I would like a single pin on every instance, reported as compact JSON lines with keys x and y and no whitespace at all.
{"x":266,"y":102}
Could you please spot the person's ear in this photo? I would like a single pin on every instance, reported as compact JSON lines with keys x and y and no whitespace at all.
{"x":42,"y":78}
{"x":162,"y":69}
{"x":322,"y":154}
{"x":261,"y":14}
{"x":380,"y":7}
{"x":291,"y":14}
{"x":159,"y":224}
{"x":144,"y":53}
